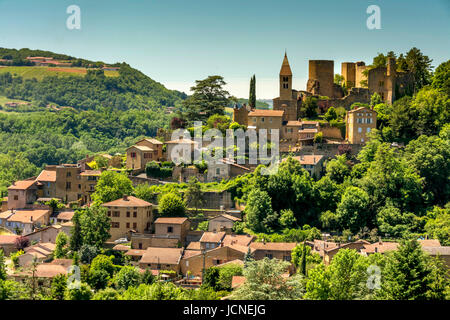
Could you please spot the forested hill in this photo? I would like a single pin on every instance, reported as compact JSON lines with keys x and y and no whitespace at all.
{"x":83,"y":88}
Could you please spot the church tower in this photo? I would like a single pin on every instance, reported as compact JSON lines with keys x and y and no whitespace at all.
{"x":285,"y":80}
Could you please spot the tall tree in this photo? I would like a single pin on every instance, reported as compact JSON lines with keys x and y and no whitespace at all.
{"x":420,"y":67}
{"x":208,"y":98}
{"x":252,"y":95}
{"x":76,"y":239}
{"x":111,"y":186}
{"x":95,"y":225}
{"x":193,"y":195}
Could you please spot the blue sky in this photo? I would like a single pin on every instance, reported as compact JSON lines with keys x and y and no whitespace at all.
{"x":176,"y":42}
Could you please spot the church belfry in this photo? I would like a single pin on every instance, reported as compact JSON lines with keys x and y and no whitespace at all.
{"x":285,"y":80}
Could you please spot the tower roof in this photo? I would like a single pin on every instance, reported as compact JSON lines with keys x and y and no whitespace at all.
{"x":285,"y":68}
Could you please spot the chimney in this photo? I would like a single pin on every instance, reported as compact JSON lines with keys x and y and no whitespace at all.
{"x":125,"y":198}
{"x":31,"y":218}
{"x":380,"y":241}
{"x":376,"y":249}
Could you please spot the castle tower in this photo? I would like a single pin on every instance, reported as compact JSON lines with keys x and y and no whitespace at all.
{"x":348,"y":71}
{"x":285,"y":80}
{"x":321,"y":77}
{"x":391,"y":74}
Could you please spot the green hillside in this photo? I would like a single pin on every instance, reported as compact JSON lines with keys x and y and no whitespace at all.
{"x":41,"y":72}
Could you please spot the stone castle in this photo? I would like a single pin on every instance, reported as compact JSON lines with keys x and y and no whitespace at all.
{"x":360,"y":82}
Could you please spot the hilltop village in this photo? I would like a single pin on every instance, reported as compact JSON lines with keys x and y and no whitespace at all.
{"x":180,"y":238}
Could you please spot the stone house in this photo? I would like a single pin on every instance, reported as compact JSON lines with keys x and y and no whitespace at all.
{"x":129,"y":214}
{"x":265,"y":119}
{"x":22,"y":194}
{"x":40,"y":251}
{"x":359,"y":123}
{"x":225,"y":169}
{"x":314,"y":164}
{"x":161,"y":259}
{"x":211,"y":240}
{"x":278,"y":250}
{"x":181,"y":149}
{"x":45,"y":235}
{"x":222,"y":222}
{"x":27,"y":220}
{"x":8,"y":244}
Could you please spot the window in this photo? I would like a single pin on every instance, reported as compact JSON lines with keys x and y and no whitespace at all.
{"x":362,"y":139}
{"x":359,"y":130}
{"x":207,"y":246}
{"x":135,"y":214}
{"x":285,"y":79}
{"x":69,"y":174}
{"x":286,"y":258}
{"x":140,"y":245}
{"x":128,"y":214}
{"x":262,"y":119}
{"x":381,"y":83}
{"x":270,"y":120}
{"x":269,"y":255}
{"x":109,"y":213}
{"x":16,"y":197}
{"x":169,"y":229}
{"x":147,"y":155}
{"x":68,"y":185}
{"x":133,"y":154}
{"x":115,"y":225}
{"x":134,"y":225}
{"x":128,"y":225}
{"x":217,"y":171}
{"x":368,"y":130}
{"x":254,"y":120}
{"x":116,"y":213}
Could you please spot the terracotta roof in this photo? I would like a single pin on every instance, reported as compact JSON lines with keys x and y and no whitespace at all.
{"x":22,"y":185}
{"x":293,"y":124}
{"x":380,"y":247}
{"x":121,"y":247}
{"x":65,"y":215}
{"x":362,"y":109}
{"x":91,"y":173}
{"x":151,"y":140}
{"x":310,"y":122}
{"x":142,"y":148}
{"x":266,"y":113}
{"x":241,"y":248}
{"x":6,"y":214}
{"x":50,"y":270}
{"x":215,"y":237}
{"x":242,"y":240}
{"x":195,"y":245}
{"x":430,"y":243}
{"x":129,"y":201}
{"x":273,"y":246}
{"x":8,"y":239}
{"x":47,"y":176}
{"x":307,"y":159}
{"x":231,"y":162}
{"x":285,"y":68}
{"x":162,"y":255}
{"x":237,"y":281}
{"x":237,"y":261}
{"x":168,"y":220}
{"x":135,"y":253}
{"x":191,"y":253}
{"x":227,"y":216}
{"x":24,"y":216}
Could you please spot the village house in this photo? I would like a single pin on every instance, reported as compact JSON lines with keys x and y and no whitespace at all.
{"x":225,"y":169}
{"x":265,"y":119}
{"x":48,"y":180}
{"x":8,"y":243}
{"x":144,"y":151}
{"x":22,"y":194}
{"x":211,"y":240}
{"x":311,"y":163}
{"x":181,"y":149}
{"x":222,"y":222}
{"x":359,"y":123}
{"x":161,"y":259}
{"x":26,"y":220}
{"x":45,"y":272}
{"x":195,"y":261}
{"x":129,"y":214}
{"x":39,"y":252}
{"x":61,"y":216}
{"x":271,"y":250}
{"x":170,"y":232}
{"x":46,"y":235}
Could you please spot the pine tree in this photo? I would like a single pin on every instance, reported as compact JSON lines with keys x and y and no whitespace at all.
{"x":248,"y":257}
{"x":408,"y":274}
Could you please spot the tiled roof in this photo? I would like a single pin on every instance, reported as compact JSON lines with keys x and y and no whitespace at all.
{"x":5,"y":214}
{"x":242,"y":240}
{"x":128,"y":201}
{"x":191,"y":253}
{"x":162,"y":255}
{"x":293,"y":124}
{"x":66,"y":215}
{"x":151,"y":140}
{"x":27,"y":216}
{"x":142,"y":148}
{"x":285,"y":68}
{"x":237,"y":281}
{"x":380,"y":247}
{"x":168,"y":220}
{"x":362,"y":109}
{"x":91,"y":173}
{"x":22,"y":185}
{"x":308,"y":159}
{"x":266,"y":113}
{"x":8,"y":239}
{"x":430,"y":243}
{"x":215,"y":237}
{"x":195,"y":245}
{"x":121,"y":247}
{"x":273,"y":246}
{"x":135,"y":253}
{"x":47,"y":176}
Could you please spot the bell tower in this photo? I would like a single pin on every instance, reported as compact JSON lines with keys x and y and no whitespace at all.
{"x":285,"y":80}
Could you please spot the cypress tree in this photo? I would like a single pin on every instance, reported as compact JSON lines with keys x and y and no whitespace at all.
{"x":252,"y":96}
{"x":76,"y":240}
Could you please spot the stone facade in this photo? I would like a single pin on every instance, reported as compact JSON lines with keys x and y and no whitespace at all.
{"x":359,"y":122}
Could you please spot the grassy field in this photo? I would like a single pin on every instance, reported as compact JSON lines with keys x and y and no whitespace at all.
{"x":4,"y":99}
{"x":40,"y":72}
